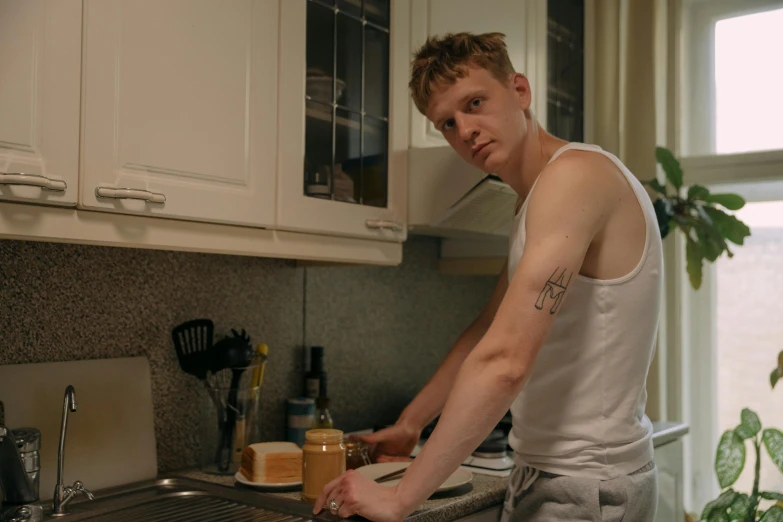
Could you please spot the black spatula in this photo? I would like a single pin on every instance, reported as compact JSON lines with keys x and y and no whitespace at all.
{"x":193,"y":341}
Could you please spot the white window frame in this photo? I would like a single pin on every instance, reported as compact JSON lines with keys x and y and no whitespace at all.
{"x":697,"y":357}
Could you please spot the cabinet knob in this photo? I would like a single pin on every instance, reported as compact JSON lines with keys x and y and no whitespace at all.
{"x":130,"y":193}
{"x":32,"y":180}
{"x":384,"y":225}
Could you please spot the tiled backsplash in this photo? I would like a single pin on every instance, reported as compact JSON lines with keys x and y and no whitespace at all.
{"x":384,"y":329}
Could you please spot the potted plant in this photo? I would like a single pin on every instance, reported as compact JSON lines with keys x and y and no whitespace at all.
{"x":729,"y":463}
{"x":707,"y":228}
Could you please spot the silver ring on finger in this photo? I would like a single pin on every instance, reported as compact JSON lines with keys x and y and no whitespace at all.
{"x":333,"y":507}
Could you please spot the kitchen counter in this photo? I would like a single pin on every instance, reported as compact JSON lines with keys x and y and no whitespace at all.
{"x":665,"y":432}
{"x":482,"y":493}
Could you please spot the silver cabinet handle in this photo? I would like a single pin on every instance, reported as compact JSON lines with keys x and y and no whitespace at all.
{"x":32,"y":180}
{"x":129,"y":193}
{"x":384,"y":224}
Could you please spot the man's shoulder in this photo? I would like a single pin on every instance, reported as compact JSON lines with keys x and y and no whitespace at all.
{"x":584,"y":166}
{"x":580,"y":176}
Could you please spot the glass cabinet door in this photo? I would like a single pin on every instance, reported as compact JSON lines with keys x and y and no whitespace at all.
{"x":565,"y":78}
{"x":347,"y":101}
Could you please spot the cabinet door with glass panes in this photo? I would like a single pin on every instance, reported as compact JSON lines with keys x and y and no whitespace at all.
{"x":343,"y":117}
{"x":565,"y":47}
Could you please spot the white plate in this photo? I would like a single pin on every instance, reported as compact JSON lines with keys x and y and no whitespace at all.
{"x":239,"y":477}
{"x":373,"y":471}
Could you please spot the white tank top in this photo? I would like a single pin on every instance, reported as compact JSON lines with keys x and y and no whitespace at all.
{"x":581,"y":411}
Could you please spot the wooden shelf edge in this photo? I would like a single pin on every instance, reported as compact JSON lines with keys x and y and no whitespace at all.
{"x":68,"y":225}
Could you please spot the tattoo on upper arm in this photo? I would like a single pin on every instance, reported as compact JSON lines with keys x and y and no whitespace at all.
{"x":555,"y":288}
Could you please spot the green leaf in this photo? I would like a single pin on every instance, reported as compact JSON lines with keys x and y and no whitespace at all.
{"x":729,"y":227}
{"x":694,"y":258}
{"x":751,"y":421}
{"x":773,"y":514}
{"x":698,"y":193}
{"x":719,"y":516}
{"x":719,"y":505}
{"x":711,"y":243}
{"x":670,"y":166}
{"x":769,"y":495}
{"x":656,"y":186}
{"x":730,"y":201}
{"x":774,"y":377}
{"x":740,"y":507}
{"x":773,"y":441}
{"x":663,"y":213}
{"x":743,"y":432}
{"x":730,"y":458}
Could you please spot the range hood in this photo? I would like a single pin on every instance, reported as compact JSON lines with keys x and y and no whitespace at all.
{"x":449,"y":198}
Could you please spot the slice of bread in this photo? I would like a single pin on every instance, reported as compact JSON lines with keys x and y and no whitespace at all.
{"x":272,"y":463}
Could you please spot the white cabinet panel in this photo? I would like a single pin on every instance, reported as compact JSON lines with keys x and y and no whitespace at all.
{"x":40,"y":68}
{"x":181,"y":107}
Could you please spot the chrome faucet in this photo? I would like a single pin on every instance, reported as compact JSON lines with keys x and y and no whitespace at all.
{"x":64,"y":494}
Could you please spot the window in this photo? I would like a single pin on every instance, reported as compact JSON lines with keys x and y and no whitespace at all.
{"x":732,"y":79}
{"x":731,"y":142}
{"x":749,"y":330}
{"x":748,"y":83}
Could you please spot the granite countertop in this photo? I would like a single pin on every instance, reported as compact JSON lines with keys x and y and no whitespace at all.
{"x":482,"y":493}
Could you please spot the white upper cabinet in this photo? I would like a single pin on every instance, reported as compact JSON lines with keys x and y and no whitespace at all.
{"x":180,"y":109}
{"x":522,"y":21}
{"x":344,"y":117}
{"x":40,"y":67}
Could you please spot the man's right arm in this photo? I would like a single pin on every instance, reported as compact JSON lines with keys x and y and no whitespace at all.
{"x":428,"y":404}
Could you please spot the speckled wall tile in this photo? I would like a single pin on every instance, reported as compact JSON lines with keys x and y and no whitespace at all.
{"x":385,"y":329}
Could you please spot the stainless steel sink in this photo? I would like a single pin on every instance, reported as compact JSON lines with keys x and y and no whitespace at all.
{"x":181,"y":499}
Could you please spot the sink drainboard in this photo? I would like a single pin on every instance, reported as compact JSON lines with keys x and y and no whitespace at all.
{"x":195,"y":507}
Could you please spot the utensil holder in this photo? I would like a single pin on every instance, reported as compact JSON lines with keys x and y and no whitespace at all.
{"x":221,"y":440}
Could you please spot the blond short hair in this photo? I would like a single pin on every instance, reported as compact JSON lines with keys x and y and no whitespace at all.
{"x":441,"y":60}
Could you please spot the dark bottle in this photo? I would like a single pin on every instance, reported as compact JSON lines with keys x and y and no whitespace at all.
{"x":313,"y":377}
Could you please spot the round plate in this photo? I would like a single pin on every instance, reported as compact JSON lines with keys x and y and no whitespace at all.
{"x":239,"y":477}
{"x":374,"y":471}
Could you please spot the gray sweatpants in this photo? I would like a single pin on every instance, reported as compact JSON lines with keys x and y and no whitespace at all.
{"x":535,"y":496}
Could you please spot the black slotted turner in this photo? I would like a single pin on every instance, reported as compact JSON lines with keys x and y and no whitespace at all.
{"x":193,"y":342}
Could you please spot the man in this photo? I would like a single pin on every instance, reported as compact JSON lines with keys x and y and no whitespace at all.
{"x":567,"y":338}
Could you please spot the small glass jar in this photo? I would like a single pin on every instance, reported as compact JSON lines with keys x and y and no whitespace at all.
{"x":357,"y":454}
{"x":323,"y":460}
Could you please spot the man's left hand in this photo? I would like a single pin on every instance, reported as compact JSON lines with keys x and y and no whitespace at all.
{"x":355,"y":494}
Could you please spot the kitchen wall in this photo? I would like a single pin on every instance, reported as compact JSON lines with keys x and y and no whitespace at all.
{"x":384,"y":329}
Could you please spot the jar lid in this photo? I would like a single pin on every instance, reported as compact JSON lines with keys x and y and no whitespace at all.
{"x":324,"y":436}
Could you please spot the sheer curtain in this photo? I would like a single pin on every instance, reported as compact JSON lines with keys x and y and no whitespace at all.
{"x":634,"y":108}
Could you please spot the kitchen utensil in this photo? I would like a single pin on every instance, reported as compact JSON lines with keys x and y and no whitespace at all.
{"x":212,"y":428}
{"x":457,"y":479}
{"x":193,"y":342}
{"x":262,"y":351}
{"x":234,"y":353}
{"x":391,"y":476}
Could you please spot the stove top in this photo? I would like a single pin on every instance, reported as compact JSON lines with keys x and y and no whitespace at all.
{"x":491,"y":457}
